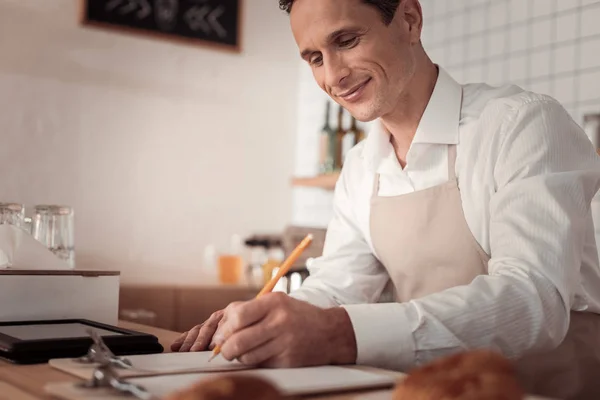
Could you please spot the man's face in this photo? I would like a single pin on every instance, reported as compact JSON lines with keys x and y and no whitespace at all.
{"x":358,"y":60}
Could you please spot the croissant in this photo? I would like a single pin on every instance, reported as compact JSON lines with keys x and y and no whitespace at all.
{"x":235,"y":387}
{"x":473,"y":375}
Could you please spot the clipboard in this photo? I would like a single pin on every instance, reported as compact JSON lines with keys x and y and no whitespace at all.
{"x":290,"y":382}
{"x":33,"y":342}
{"x":152,"y":365}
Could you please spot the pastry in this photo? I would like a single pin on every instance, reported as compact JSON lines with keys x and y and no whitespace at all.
{"x":474,"y":375}
{"x":232,"y":387}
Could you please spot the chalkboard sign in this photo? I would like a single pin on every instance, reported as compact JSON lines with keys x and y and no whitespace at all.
{"x":206,"y":22}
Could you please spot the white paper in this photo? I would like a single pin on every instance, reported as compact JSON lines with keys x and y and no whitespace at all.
{"x":176,"y":362}
{"x":291,"y":382}
{"x":20,"y":250}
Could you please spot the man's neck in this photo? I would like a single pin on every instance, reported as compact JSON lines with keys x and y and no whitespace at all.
{"x":402,"y":123}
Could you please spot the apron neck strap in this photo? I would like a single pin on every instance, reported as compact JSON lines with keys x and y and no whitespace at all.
{"x":451,"y":162}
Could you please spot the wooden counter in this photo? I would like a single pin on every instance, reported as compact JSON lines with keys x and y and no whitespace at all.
{"x":31,"y":379}
{"x":26,"y":382}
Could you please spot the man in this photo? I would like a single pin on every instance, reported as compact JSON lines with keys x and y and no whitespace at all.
{"x":471,"y":202}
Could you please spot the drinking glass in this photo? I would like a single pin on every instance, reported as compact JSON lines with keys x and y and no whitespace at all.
{"x":12,"y":214}
{"x":54,"y":226}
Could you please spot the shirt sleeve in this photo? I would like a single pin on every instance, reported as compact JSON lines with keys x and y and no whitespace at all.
{"x":546,"y":174}
{"x":347,"y":272}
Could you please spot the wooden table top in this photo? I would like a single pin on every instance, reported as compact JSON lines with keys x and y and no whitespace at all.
{"x":26,"y":382}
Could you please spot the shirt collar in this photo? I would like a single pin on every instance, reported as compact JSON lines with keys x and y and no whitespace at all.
{"x":439,"y":123}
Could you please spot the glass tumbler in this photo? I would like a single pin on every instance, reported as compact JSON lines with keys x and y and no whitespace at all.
{"x":54,"y":226}
{"x":12,"y":214}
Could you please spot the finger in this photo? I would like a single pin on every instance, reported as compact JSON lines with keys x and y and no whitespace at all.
{"x":267,"y":352}
{"x":204,"y":337}
{"x":247,"y":339}
{"x":217,"y":333}
{"x":178,"y":342}
{"x":207,"y":332}
{"x":223,"y":319}
{"x":241,"y":315}
{"x":190,"y":339}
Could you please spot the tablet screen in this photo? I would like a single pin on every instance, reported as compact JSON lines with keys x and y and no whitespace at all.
{"x":52,"y":331}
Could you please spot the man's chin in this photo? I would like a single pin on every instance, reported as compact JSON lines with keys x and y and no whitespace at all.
{"x":364,"y":113}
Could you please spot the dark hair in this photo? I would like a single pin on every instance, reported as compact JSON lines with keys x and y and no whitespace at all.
{"x":387,"y":8}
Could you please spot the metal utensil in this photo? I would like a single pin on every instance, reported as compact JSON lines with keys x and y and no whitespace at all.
{"x":105,"y":376}
{"x":99,"y":353}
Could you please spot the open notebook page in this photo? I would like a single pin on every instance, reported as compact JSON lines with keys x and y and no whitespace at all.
{"x":291,"y":381}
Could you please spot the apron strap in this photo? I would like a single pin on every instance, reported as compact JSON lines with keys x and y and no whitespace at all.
{"x":451,"y":162}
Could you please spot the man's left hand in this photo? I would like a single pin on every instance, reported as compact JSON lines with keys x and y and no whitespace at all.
{"x":276,"y":330}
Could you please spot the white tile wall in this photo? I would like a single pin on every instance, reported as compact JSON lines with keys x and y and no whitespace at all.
{"x":550,"y":46}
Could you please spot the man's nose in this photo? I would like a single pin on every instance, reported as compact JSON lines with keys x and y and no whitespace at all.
{"x":336,"y":71}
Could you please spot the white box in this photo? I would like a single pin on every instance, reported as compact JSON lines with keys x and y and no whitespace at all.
{"x":65,"y":294}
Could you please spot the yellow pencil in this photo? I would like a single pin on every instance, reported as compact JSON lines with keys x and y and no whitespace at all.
{"x":283,"y":269}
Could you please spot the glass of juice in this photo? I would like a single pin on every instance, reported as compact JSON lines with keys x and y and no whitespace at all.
{"x":231,"y":267}
{"x":231,"y":263}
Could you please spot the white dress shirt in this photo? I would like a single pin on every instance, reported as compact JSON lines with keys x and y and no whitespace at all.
{"x":527,"y":174}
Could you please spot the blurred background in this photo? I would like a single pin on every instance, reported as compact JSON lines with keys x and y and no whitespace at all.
{"x":179,"y":159}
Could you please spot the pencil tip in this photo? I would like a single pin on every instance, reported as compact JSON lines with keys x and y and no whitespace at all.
{"x":212,"y":357}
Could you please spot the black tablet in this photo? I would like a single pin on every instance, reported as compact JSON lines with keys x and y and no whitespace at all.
{"x":31,"y":342}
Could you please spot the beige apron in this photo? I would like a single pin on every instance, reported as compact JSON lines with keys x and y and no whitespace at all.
{"x":424,"y":242}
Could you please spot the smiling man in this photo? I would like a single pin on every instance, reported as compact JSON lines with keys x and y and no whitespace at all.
{"x":469,"y":204}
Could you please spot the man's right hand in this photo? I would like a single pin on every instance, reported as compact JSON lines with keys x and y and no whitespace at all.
{"x":200,"y":337}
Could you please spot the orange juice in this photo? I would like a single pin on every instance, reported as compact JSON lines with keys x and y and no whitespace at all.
{"x":230,"y":268}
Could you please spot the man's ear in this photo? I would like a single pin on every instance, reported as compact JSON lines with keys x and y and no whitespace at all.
{"x":413,"y":15}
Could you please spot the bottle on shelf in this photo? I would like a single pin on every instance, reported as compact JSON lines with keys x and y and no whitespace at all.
{"x":339,"y":138}
{"x":350,"y":139}
{"x":275,"y":256}
{"x":327,"y":145}
{"x":209,"y":265}
{"x":358,"y":132}
{"x":257,"y":258}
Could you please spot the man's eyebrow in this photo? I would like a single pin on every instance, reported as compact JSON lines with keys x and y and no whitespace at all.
{"x":306,"y":53}
{"x":331,"y":37}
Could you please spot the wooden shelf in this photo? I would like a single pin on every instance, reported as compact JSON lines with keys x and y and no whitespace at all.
{"x":321,"y":181}
{"x":326,"y":182}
